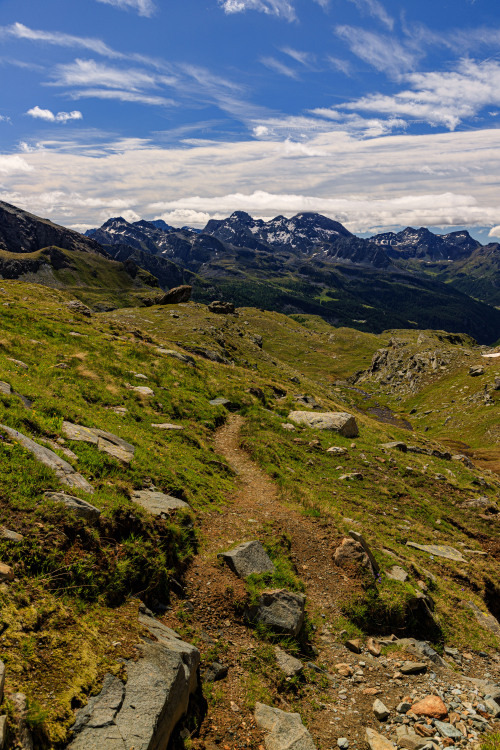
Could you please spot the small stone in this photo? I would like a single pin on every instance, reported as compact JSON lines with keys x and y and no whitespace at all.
{"x":447,"y":730}
{"x":403,"y":707}
{"x":287,"y":663}
{"x":167,"y":426}
{"x":373,"y":647}
{"x":216,"y":671}
{"x":380,"y":710}
{"x":345,"y":670}
{"x":248,"y":558}
{"x":350,"y":477}
{"x":11,"y":536}
{"x":343,"y":743}
{"x":492,"y":707}
{"x":397,"y":574}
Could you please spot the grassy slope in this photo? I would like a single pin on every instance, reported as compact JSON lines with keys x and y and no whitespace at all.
{"x":71,"y":601}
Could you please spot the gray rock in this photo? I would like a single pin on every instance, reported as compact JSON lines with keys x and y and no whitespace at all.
{"x":285,"y":730}
{"x":143,"y":390}
{"x":216,"y":671}
{"x":340,"y":422}
{"x":63,"y":470}
{"x":397,"y":574}
{"x":19,"y":363}
{"x":351,"y":476}
{"x":167,"y":426}
{"x":336,"y":450}
{"x":343,"y":743}
{"x":80,"y":507}
{"x":351,"y":554}
{"x":439,"y":550}
{"x":178,"y":355}
{"x":221,"y":401}
{"x":413,"y":667}
{"x":143,"y":712}
{"x":5,"y":388}
{"x":448,"y":730}
{"x":209,"y":354}
{"x":280,"y":610}
{"x":248,"y":558}
{"x":11,"y":536}
{"x":287,"y":663}
{"x":2,"y":680}
{"x":377,"y":741}
{"x":492,"y":707}
{"x":360,"y":538}
{"x":403,"y":707}
{"x":158,"y":503}
{"x":380,"y":710}
{"x":395,"y":445}
{"x":221,"y":308}
{"x":411,"y":741}
{"x":20,"y":709}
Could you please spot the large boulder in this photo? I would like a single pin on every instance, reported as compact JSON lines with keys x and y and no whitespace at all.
{"x":175,"y":296}
{"x":280,"y":610}
{"x":351,"y":556}
{"x":338,"y":421}
{"x":285,"y":730}
{"x":248,"y":558}
{"x":142,"y":712}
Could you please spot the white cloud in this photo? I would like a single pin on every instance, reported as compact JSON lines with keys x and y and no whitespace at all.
{"x":442,"y":97}
{"x":122,"y":96}
{"x":304,"y":58}
{"x":186,"y":217}
{"x":20,"y":31}
{"x":441,"y":179}
{"x":278,"y":67}
{"x":280,"y":8}
{"x":49,"y":116}
{"x":14,"y":164}
{"x":381,"y":51}
{"x":143,"y":7}
{"x":91,"y":73}
{"x":376,"y":9}
{"x":338,"y":64}
{"x":494,"y":231}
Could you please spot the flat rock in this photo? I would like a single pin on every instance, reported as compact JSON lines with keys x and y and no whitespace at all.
{"x":476,"y":370}
{"x":63,"y":470}
{"x":80,"y":507}
{"x":413,"y":667}
{"x":225,"y":402}
{"x":2,"y":680}
{"x":280,"y":610}
{"x":287,"y":663}
{"x":432,"y":706}
{"x":158,"y":503}
{"x":285,"y":730}
{"x":18,"y":362}
{"x":397,"y":574}
{"x":186,"y":358}
{"x":337,"y":450}
{"x":167,"y":426}
{"x":142,"y":390}
{"x":395,"y":445}
{"x":439,"y":550}
{"x":11,"y":536}
{"x":487,"y":620}
{"x":5,"y":388}
{"x":411,"y":741}
{"x":106,"y":442}
{"x":377,"y":741}
{"x":339,"y":421}
{"x":248,"y":558}
{"x":143,"y":712}
{"x":351,"y":476}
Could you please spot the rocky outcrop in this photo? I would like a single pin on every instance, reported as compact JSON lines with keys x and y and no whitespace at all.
{"x":221,"y":308}
{"x":143,"y":712}
{"x":22,"y":232}
{"x":63,"y":470}
{"x":106,"y":442}
{"x":77,"y":505}
{"x":338,"y":421}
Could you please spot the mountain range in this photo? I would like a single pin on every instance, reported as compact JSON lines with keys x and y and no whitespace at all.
{"x":307,"y":264}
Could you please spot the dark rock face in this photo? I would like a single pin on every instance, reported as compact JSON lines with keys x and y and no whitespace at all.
{"x":280,"y":610}
{"x":423,"y":244}
{"x":22,"y":232}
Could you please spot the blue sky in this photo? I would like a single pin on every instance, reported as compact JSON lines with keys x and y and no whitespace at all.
{"x":375,"y":112}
